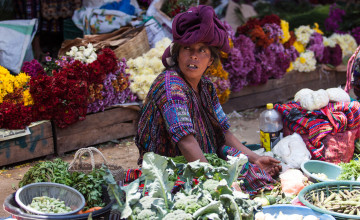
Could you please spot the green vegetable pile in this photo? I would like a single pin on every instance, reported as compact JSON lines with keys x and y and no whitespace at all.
{"x":46,"y":204}
{"x":211,"y":198}
{"x":213,"y":160}
{"x":351,"y":170}
{"x":56,"y":171}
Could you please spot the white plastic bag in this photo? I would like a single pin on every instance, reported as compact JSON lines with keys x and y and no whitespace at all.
{"x":292,"y":151}
{"x":15,"y":43}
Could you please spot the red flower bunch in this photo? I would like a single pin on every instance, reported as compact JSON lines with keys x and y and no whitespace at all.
{"x":105,"y":63}
{"x":63,"y":96}
{"x":270,"y":19}
{"x":291,"y":41}
{"x":248,"y":26}
{"x":259,"y":37}
{"x":14,"y":116}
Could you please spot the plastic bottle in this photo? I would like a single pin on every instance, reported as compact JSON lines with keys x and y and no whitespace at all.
{"x":270,"y":127}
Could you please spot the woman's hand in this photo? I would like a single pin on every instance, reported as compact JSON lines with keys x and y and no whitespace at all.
{"x":269,"y":164}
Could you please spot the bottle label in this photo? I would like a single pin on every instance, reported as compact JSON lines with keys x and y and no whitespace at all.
{"x":270,"y":139}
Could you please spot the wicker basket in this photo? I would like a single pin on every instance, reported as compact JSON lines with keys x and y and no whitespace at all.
{"x":77,"y":165}
{"x":137,"y":43}
{"x":305,"y":195}
{"x":127,"y":42}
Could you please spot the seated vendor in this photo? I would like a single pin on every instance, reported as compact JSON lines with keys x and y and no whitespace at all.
{"x":181,"y":113}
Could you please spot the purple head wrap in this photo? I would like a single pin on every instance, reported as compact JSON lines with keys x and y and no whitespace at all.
{"x":198,"y":24}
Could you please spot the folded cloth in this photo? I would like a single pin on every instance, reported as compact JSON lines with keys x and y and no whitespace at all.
{"x":334,"y":118}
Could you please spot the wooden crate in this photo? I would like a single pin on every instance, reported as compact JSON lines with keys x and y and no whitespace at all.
{"x":281,"y":90}
{"x":97,"y":128}
{"x":37,"y":144}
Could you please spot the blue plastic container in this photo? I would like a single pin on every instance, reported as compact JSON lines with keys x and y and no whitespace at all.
{"x":295,"y":209}
{"x":332,"y":171}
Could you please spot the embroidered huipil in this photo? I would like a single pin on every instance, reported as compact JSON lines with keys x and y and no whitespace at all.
{"x":172,"y":110}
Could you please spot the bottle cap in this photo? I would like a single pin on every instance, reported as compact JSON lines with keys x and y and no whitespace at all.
{"x":269,"y":106}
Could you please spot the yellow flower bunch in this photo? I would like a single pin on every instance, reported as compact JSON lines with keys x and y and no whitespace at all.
{"x":285,"y":29}
{"x":317,"y":29}
{"x":218,"y":75}
{"x":10,"y":83}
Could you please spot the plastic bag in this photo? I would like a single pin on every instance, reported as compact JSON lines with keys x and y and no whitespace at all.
{"x":292,"y":151}
{"x":15,"y":43}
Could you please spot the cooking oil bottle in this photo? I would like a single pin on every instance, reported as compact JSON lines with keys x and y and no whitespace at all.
{"x":271,"y":127}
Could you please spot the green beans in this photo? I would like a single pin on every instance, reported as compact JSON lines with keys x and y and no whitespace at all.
{"x":49,"y":205}
{"x":343,"y":201}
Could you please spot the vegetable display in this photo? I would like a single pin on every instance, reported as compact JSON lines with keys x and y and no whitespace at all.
{"x":46,"y":204}
{"x":344,"y":201}
{"x":211,"y":198}
{"x":56,"y":171}
{"x":351,"y":170}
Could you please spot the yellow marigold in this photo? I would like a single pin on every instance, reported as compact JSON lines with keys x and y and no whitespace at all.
{"x":223,"y":97}
{"x":3,"y":70}
{"x":285,"y":29}
{"x":21,"y":80}
{"x":291,"y":67}
{"x":316,"y":29}
{"x":28,"y":100}
{"x":299,"y":46}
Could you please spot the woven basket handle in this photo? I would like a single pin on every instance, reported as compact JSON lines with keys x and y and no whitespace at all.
{"x":89,"y":150}
{"x":349,"y":70}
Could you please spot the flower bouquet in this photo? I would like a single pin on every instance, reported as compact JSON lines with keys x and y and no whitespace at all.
{"x":15,"y":100}
{"x":144,"y":69}
{"x":81,"y":82}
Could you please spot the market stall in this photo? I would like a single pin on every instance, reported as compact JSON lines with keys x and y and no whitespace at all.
{"x":93,"y":91}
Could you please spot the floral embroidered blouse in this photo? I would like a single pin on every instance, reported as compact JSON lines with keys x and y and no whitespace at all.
{"x":172,"y":110}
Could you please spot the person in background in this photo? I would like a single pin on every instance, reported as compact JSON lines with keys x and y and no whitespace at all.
{"x":182,"y":115}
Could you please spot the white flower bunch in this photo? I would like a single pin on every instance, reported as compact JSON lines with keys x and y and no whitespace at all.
{"x":328,"y":42}
{"x":144,"y":69}
{"x":83,"y":54}
{"x":303,"y":34}
{"x":347,"y":43}
{"x":306,"y":62}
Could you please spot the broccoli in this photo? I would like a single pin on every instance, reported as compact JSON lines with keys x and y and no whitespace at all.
{"x":178,"y":215}
{"x":147,"y":214}
{"x":191,"y":203}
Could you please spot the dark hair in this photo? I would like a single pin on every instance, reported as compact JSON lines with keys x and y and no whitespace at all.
{"x":215,"y":53}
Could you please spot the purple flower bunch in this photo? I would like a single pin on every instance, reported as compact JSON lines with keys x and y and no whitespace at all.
{"x":32,"y":68}
{"x":248,"y":64}
{"x":316,"y":45}
{"x":332,"y":55}
{"x":113,"y":92}
{"x":332,"y":23}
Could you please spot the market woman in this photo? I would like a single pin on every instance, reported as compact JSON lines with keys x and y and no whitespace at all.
{"x":181,"y":113}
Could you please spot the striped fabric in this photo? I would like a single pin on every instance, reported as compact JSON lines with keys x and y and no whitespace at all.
{"x":254,"y":178}
{"x":173,"y":110}
{"x":334,"y":118}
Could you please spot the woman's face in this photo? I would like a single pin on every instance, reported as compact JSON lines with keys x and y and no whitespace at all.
{"x":193,"y":60}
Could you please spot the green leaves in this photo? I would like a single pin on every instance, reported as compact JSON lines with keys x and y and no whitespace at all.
{"x":153,"y":168}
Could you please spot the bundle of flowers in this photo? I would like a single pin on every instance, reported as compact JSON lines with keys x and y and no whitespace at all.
{"x":325,"y":49}
{"x":61,"y":97}
{"x":219,"y":77}
{"x":144,"y":69}
{"x":15,"y":100}
{"x":344,"y":20}
{"x":259,"y":52}
{"x":114,"y":90}
{"x":76,"y":84}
